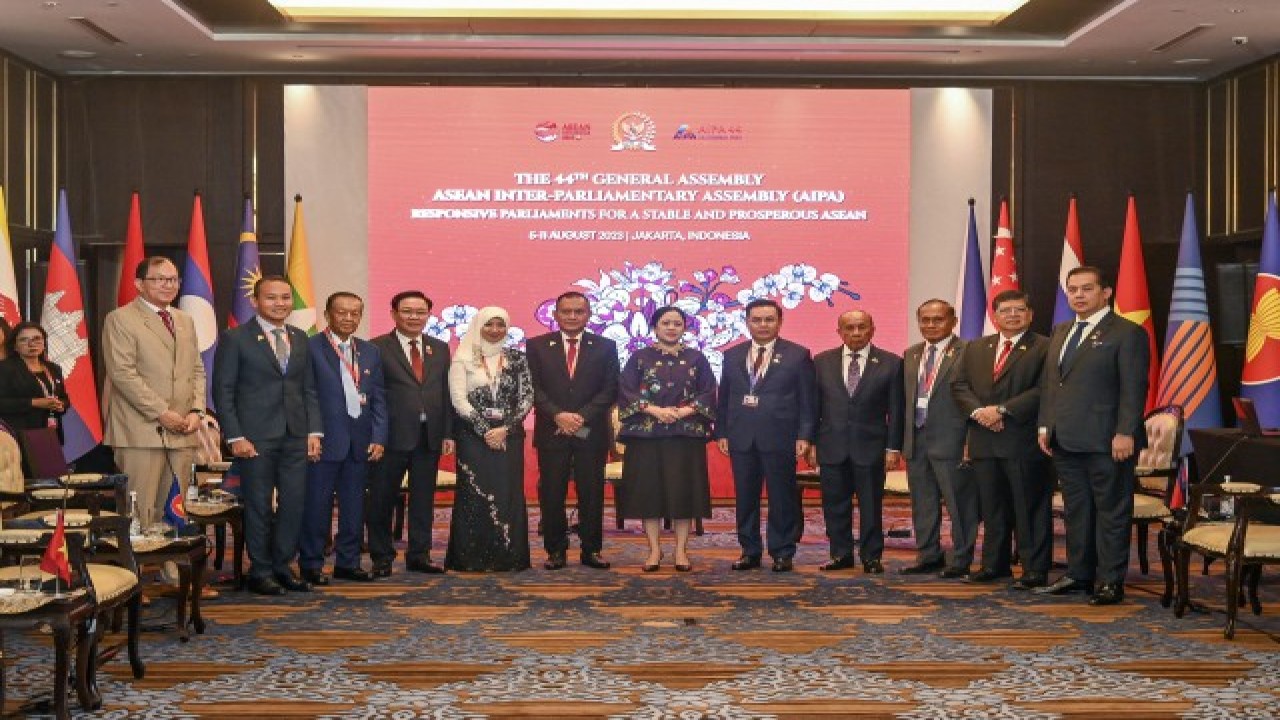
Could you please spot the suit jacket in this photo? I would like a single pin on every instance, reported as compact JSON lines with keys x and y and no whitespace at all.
{"x":257,"y":401}
{"x":342,"y":433}
{"x":1102,"y":392}
{"x":18,"y":387}
{"x":947,"y":425}
{"x":408,"y":400}
{"x":785,"y":412}
{"x":149,"y":371}
{"x":591,"y":392}
{"x":860,"y":428}
{"x":1017,"y":388}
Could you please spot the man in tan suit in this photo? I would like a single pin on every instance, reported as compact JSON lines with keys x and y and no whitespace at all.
{"x":155,"y":380}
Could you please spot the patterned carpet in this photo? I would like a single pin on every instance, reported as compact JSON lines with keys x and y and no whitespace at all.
{"x":709,"y":644}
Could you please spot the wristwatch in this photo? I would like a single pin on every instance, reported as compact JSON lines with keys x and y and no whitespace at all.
{"x":1002,"y":410}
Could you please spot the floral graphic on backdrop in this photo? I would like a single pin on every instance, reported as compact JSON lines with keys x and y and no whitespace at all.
{"x":622,"y":301}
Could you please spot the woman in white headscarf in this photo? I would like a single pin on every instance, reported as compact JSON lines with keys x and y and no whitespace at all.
{"x":492,"y":393}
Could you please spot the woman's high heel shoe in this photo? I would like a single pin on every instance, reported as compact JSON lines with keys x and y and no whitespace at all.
{"x":654,"y":567}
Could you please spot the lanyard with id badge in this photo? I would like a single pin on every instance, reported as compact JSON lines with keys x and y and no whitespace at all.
{"x":351,"y":366}
{"x":493,"y":413}
{"x":751,"y":400}
{"x":49,"y":391}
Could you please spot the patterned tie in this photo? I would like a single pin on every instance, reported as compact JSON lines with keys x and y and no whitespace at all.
{"x":572,"y":356}
{"x":1005,"y":349}
{"x":926,"y":384}
{"x":415,"y":359}
{"x":759,"y":362}
{"x":282,"y":349}
{"x":167,"y":318}
{"x":349,"y":391}
{"x":1073,"y":344}
{"x":855,"y":375}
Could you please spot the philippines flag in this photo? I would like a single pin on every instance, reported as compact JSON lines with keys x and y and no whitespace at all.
{"x":197,"y":295}
{"x":1072,"y":258}
{"x":8,"y":281}
{"x":1260,"y":380}
{"x":247,"y":272}
{"x":62,"y":317}
{"x":971,"y":293}
{"x":1004,"y":266}
{"x":133,"y":254}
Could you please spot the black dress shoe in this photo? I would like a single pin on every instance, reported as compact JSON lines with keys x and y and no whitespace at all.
{"x":952,"y":573}
{"x":593,"y":560}
{"x":423,"y":565}
{"x":265,"y":586}
{"x":683,"y":568}
{"x":355,"y":573}
{"x":293,"y":583}
{"x":872,"y":567}
{"x":555,"y":561}
{"x":923,"y":568}
{"x":381,"y":571}
{"x":747,"y":562}
{"x":985,"y":576}
{"x":315,"y":577}
{"x":837,"y":564}
{"x":1066,"y":585}
{"x":1029,"y":581}
{"x":1108,"y":594}
{"x":783,"y":565}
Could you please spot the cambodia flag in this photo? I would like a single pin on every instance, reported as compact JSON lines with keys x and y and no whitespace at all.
{"x":247,"y":272}
{"x":1132,"y":300}
{"x":197,"y":295}
{"x":62,"y":317}
{"x":133,"y":254}
{"x":971,"y":295}
{"x":175,"y":510}
{"x":1072,"y":258}
{"x":1260,"y":380}
{"x":1004,"y":266}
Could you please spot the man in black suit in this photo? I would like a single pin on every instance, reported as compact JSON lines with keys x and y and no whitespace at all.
{"x":1094,"y":395}
{"x":859,"y":435}
{"x":415,"y":371}
{"x":575,"y":384}
{"x":266,"y":399}
{"x":764,"y":421}
{"x":933,"y":444}
{"x":998,"y":387}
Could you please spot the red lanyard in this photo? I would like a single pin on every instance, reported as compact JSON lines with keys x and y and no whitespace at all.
{"x":352,"y":366}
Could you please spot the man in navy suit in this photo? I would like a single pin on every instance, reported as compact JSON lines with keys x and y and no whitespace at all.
{"x":348,"y":377}
{"x":575,"y":384}
{"x":764,"y":421}
{"x":859,"y":436}
{"x":266,"y":398}
{"x":1091,"y":424}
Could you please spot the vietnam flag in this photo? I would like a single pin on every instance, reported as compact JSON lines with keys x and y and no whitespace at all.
{"x":56,"y":561}
{"x":133,"y":254}
{"x":1132,"y":301}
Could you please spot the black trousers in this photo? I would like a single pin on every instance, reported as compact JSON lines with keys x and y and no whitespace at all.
{"x":422,"y":463}
{"x":1017,"y":498}
{"x":1097,"y":493}
{"x":840,"y":483}
{"x":278,"y":475}
{"x":584,"y":463}
{"x":775,"y":471}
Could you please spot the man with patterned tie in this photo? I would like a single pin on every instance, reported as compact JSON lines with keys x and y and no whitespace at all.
{"x":154,"y":394}
{"x":764,"y":421}
{"x":859,"y":433}
{"x":998,"y":387}
{"x":265,"y":394}
{"x":575,"y":384}
{"x":1091,"y":424}
{"x":415,"y":370}
{"x":348,"y":377}
{"x":933,"y":445}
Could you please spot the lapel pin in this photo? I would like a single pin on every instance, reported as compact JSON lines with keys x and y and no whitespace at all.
{"x":553,"y":343}
{"x":261,"y":339}
{"x":875,"y":359}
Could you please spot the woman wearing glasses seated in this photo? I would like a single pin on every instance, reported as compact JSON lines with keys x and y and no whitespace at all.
{"x":32,"y":394}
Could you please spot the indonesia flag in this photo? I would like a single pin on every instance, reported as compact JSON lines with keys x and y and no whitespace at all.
{"x":133,"y":254}
{"x":1004,"y":266}
{"x":1072,"y":258}
{"x":197,"y":295}
{"x":1260,"y":380}
{"x":8,"y":281}
{"x":62,"y":317}
{"x":247,"y":272}
{"x":971,"y":294}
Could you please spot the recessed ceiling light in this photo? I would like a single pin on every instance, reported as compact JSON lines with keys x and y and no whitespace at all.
{"x":49,"y":5}
{"x":1235,"y":11}
{"x":78,"y":54}
{"x":1192,"y":61}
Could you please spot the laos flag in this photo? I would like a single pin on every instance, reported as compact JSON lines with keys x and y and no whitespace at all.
{"x":1260,"y":380}
{"x":62,"y":317}
{"x":197,"y":295}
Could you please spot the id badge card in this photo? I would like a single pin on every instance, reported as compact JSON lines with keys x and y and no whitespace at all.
{"x":922,"y":403}
{"x":493,"y":414}
{"x":750,"y":401}
{"x":364,"y":399}
{"x":52,"y":421}
{"x":582,"y":433}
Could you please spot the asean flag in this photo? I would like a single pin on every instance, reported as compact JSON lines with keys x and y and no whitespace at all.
{"x":1260,"y":380}
{"x":62,"y":317}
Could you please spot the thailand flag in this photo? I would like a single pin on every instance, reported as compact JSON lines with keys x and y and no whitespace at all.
{"x":971,"y":294}
{"x":197,"y":295}
{"x":247,"y":272}
{"x":1072,"y":258}
{"x":1260,"y":380}
{"x":62,"y":317}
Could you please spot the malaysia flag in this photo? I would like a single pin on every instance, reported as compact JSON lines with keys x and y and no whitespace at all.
{"x":247,"y":273}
